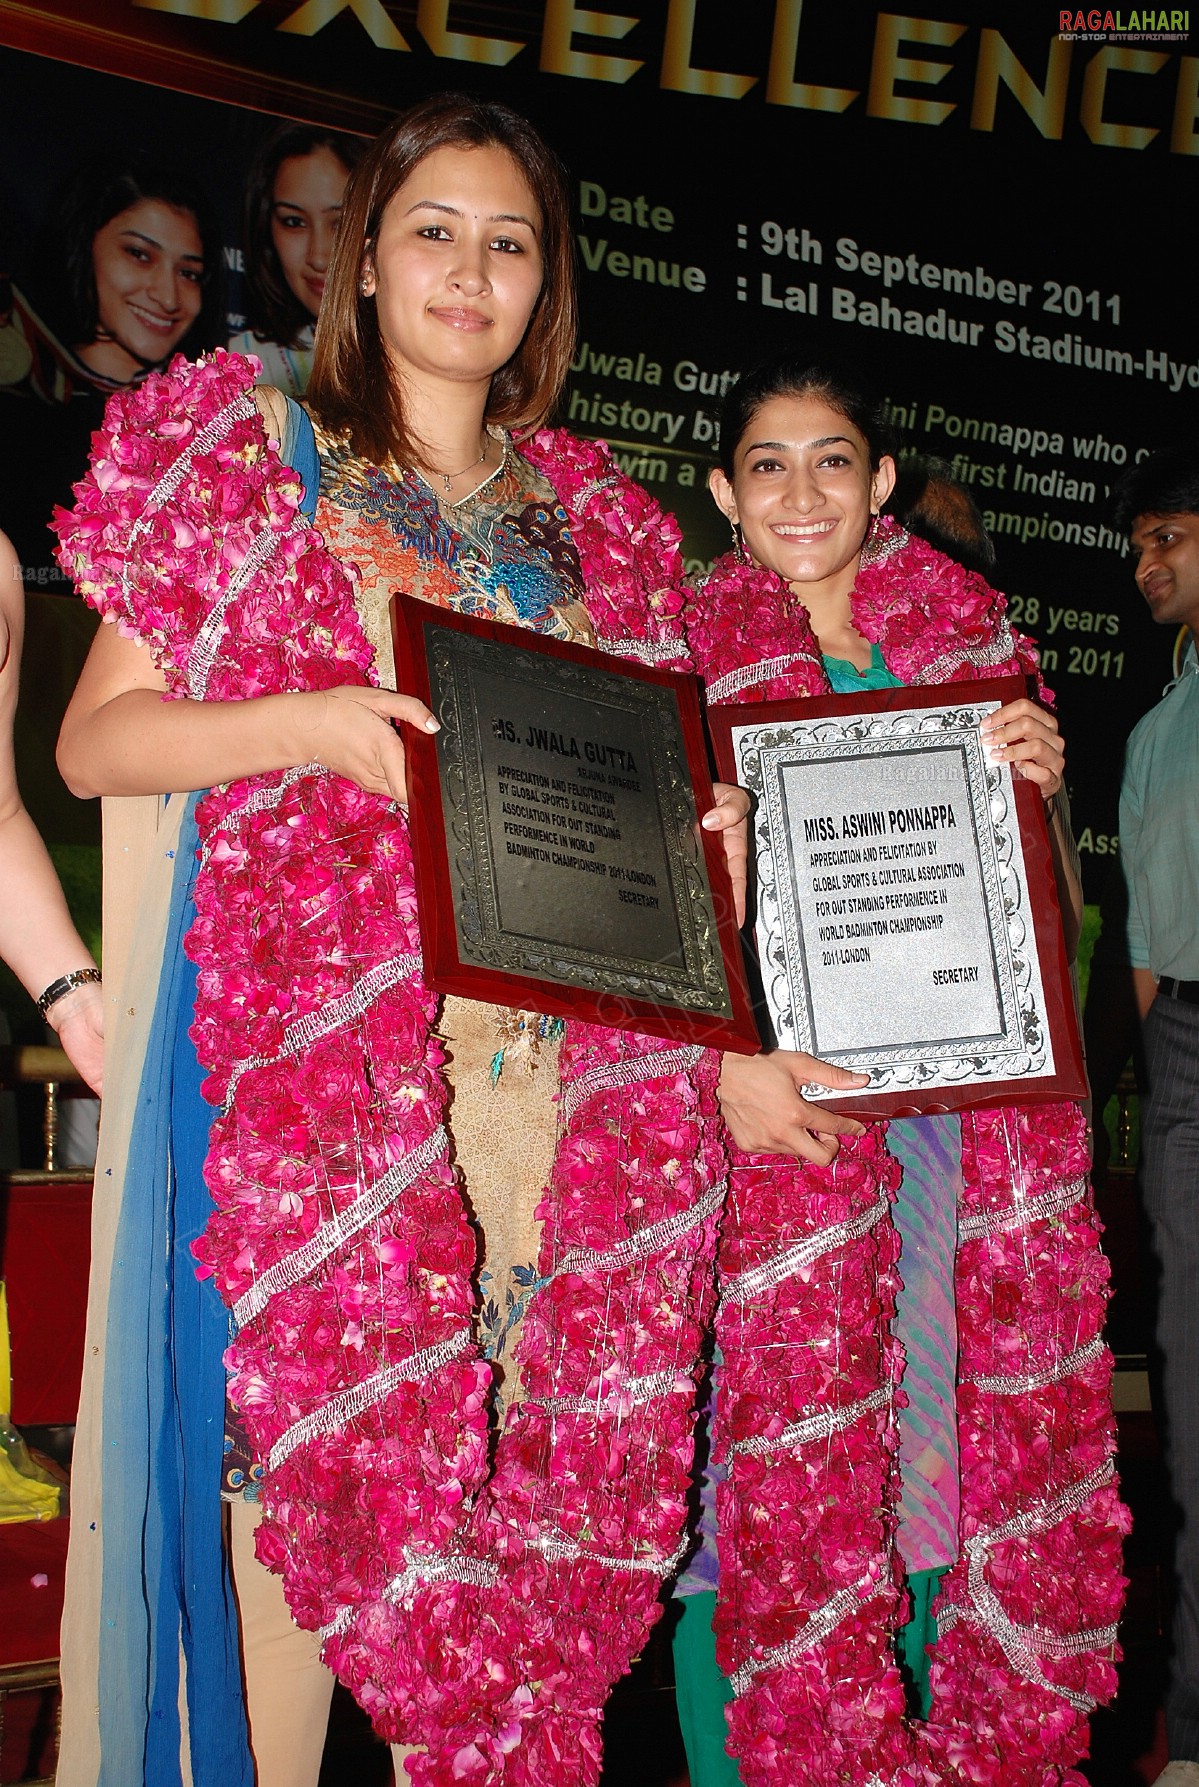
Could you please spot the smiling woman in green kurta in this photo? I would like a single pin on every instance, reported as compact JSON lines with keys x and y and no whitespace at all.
{"x":802,"y":480}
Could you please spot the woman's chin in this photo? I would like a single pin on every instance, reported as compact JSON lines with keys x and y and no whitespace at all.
{"x":109,"y":360}
{"x":801,"y":568}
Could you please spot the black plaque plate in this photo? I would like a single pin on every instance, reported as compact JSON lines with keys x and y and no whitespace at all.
{"x":554,"y":818}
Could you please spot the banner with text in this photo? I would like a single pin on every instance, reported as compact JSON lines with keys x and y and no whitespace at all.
{"x":958,"y":207}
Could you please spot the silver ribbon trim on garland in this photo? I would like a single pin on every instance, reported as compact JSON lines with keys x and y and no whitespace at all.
{"x":723,"y":688}
{"x":654,"y":1238}
{"x":646,"y":651}
{"x":478,"y":1572}
{"x":630,"y":1392}
{"x":1063,"y":1367}
{"x":821,"y":1625}
{"x":982,"y":657}
{"x":301,"y":1033}
{"x":1025,"y":1211}
{"x":359,"y":1397}
{"x":203,"y":652}
{"x":1025,"y":1646}
{"x":616,"y":1074}
{"x":820,"y":1426}
{"x":241,"y":409}
{"x":262,"y":800}
{"x":294,"y":1267}
{"x":594,"y":486}
{"x":785,"y":1265}
{"x":556,"y":1548}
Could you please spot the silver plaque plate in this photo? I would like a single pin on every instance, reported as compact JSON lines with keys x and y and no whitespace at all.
{"x":893,"y":922}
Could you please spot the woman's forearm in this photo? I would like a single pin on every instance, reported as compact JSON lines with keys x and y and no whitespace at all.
{"x":139,"y":743}
{"x":37,"y":937}
{"x":41,"y":945}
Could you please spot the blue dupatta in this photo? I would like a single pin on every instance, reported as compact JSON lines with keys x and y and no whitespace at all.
{"x":166,"y":1596}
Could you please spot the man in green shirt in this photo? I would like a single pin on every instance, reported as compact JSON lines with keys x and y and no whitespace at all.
{"x":1151,"y":971}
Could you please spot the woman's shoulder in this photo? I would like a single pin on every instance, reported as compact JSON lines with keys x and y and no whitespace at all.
{"x":272,"y":407}
{"x":180,"y":433}
{"x":571,"y":460}
{"x":288,"y":365}
{"x":288,"y":422}
{"x":628,"y":545}
{"x":12,"y":594}
{"x":589,"y":478}
{"x":212,"y":392}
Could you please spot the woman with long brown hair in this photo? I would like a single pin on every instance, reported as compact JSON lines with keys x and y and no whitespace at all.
{"x":292,"y":212}
{"x":479,"y":1564}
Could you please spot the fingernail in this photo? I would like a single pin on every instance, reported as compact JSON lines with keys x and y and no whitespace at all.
{"x":711,"y":821}
{"x":432,"y":725}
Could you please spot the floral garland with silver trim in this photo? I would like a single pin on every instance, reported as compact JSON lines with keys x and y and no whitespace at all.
{"x":810,"y":1580}
{"x":480,"y":1608}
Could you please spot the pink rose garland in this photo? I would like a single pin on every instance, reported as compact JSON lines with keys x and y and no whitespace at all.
{"x":481,"y":1611}
{"x":488,"y":1619}
{"x":810,"y":1594}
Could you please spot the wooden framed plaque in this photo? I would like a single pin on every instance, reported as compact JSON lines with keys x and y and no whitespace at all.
{"x":554,"y":818}
{"x":907,"y":917}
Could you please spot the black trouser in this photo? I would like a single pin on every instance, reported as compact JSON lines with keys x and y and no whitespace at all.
{"x":1170,"y":1181}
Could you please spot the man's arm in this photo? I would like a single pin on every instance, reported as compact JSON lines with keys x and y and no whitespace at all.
{"x":1118,"y":998}
{"x":1121,"y":988}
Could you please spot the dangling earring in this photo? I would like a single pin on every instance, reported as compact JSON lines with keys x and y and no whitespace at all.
{"x":872,"y":545}
{"x":739,"y":546}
